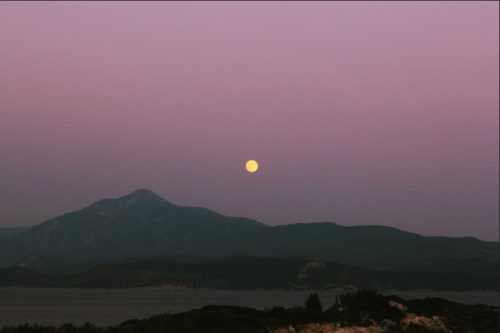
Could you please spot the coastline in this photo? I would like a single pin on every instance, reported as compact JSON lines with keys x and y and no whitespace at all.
{"x":186,"y":288}
{"x":337,"y":290}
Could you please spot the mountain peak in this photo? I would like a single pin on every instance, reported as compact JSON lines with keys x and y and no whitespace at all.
{"x":143,"y":196}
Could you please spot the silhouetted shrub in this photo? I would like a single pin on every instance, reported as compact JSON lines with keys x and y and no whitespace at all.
{"x":357,"y":307}
{"x":276,"y":309}
{"x":313,"y":302}
{"x":300,"y":316}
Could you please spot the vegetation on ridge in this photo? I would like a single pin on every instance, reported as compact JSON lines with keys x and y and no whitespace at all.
{"x":249,"y":273}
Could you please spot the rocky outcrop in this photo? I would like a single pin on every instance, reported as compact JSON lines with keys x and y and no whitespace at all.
{"x":329,"y":328}
{"x":312,"y":265}
{"x":401,"y":307}
{"x":434,"y":324}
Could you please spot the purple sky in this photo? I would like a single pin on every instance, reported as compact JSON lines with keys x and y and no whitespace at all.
{"x":357,"y":113}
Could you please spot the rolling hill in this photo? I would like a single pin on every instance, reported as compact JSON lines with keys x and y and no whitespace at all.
{"x":249,"y":273}
{"x":142,"y":225}
{"x":375,"y":247}
{"x":138,"y":225}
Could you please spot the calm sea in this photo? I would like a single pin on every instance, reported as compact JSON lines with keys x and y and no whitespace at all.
{"x":104,"y":307}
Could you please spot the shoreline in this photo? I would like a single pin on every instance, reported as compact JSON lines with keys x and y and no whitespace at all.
{"x":385,"y":313}
{"x":174,"y":288}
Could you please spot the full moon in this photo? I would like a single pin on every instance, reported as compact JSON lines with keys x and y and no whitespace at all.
{"x":252,"y":166}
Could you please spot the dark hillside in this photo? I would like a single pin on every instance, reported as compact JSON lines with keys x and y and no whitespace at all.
{"x":138,"y":225}
{"x":251,"y":273}
{"x":453,"y":265}
{"x":12,"y":231}
{"x":374,"y":247}
{"x":143,"y":225}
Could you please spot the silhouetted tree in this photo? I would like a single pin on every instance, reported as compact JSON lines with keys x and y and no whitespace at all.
{"x":313,"y":302}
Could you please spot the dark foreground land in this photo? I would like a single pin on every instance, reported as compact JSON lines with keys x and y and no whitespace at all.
{"x":365,"y":310}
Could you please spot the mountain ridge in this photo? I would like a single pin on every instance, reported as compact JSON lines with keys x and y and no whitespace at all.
{"x":376,"y":247}
{"x":142,"y":224}
{"x":9,"y":231}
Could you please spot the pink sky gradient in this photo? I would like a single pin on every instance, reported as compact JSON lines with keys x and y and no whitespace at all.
{"x":357,"y":113}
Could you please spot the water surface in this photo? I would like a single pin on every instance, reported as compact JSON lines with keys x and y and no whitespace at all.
{"x":103,"y":307}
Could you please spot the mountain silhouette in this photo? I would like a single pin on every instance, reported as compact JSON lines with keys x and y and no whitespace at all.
{"x":374,"y":247}
{"x":142,"y":225}
{"x":138,"y":225}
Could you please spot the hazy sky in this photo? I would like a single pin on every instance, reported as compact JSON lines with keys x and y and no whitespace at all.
{"x":357,"y":113}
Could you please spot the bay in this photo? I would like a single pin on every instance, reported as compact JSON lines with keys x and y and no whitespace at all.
{"x":104,"y":307}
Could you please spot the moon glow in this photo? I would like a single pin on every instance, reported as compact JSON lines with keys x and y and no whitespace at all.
{"x":252,"y":166}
